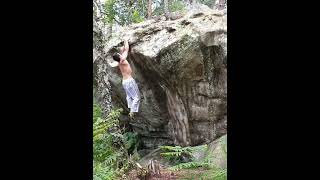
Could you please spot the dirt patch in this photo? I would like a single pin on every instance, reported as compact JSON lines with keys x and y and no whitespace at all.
{"x":184,"y":174}
{"x":137,"y":175}
{"x":190,"y":174}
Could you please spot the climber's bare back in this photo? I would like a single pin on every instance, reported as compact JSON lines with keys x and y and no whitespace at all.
{"x":125,"y":69}
{"x":124,"y":65}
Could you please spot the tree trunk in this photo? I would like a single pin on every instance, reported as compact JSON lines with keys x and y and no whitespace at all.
{"x":102,"y":93}
{"x":166,"y":9}
{"x":220,"y":4}
{"x":189,"y":1}
{"x":149,"y":9}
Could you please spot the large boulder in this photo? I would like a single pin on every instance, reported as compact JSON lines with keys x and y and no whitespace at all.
{"x":181,"y":70}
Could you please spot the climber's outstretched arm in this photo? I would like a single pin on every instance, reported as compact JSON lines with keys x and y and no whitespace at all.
{"x":124,"y":54}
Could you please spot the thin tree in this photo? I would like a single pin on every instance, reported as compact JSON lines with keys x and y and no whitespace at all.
{"x":166,"y":9}
{"x":149,"y":9}
{"x":189,"y":2}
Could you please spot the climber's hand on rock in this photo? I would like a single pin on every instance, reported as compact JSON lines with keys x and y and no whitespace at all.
{"x":125,"y":39}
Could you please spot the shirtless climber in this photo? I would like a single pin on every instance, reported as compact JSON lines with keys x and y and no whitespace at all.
{"x":129,"y":84}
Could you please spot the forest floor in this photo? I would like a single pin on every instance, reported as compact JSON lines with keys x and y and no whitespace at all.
{"x":183,"y":174}
{"x":190,"y":174}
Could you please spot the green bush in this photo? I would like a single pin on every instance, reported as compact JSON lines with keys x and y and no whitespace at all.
{"x":110,"y":145}
{"x":103,"y":172}
{"x":131,"y":141}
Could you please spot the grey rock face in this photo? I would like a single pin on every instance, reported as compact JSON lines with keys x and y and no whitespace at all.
{"x":181,"y":69}
{"x":217,"y":152}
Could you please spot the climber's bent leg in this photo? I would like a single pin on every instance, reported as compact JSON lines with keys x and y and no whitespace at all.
{"x":129,"y":101}
{"x":136,"y":97}
{"x":135,"y":104}
{"x":133,"y":94}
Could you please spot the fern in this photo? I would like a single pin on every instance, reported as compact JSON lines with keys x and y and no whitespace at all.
{"x":103,"y":172}
{"x":97,"y":112}
{"x":215,"y":174}
{"x":207,"y":163}
{"x":189,"y":165}
{"x":101,"y":126}
{"x":171,"y":154}
{"x":176,"y":149}
{"x":108,"y":158}
{"x":220,"y":174}
{"x":110,"y":146}
{"x":130,"y":140}
{"x":176,"y":153}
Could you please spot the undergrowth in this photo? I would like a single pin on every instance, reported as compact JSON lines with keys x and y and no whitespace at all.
{"x":113,"y":148}
{"x":218,"y":174}
{"x":175,"y":153}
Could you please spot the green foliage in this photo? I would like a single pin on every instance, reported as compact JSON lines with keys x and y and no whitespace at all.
{"x":214,"y":174}
{"x":136,"y":18}
{"x":189,"y":165}
{"x":142,"y":7}
{"x":220,"y":174}
{"x":103,"y":172}
{"x":177,"y":149}
{"x":176,"y":5}
{"x":106,"y":136}
{"x":131,"y":141}
{"x":209,"y":3}
{"x":101,"y":126}
{"x":110,"y":11}
{"x":97,"y":112}
{"x":212,"y":171}
{"x":206,"y":163}
{"x":110,"y":145}
{"x":135,"y":156}
{"x":176,"y":153}
{"x":125,"y":12}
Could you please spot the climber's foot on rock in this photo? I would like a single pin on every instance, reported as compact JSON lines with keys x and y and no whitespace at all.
{"x":131,"y":115}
